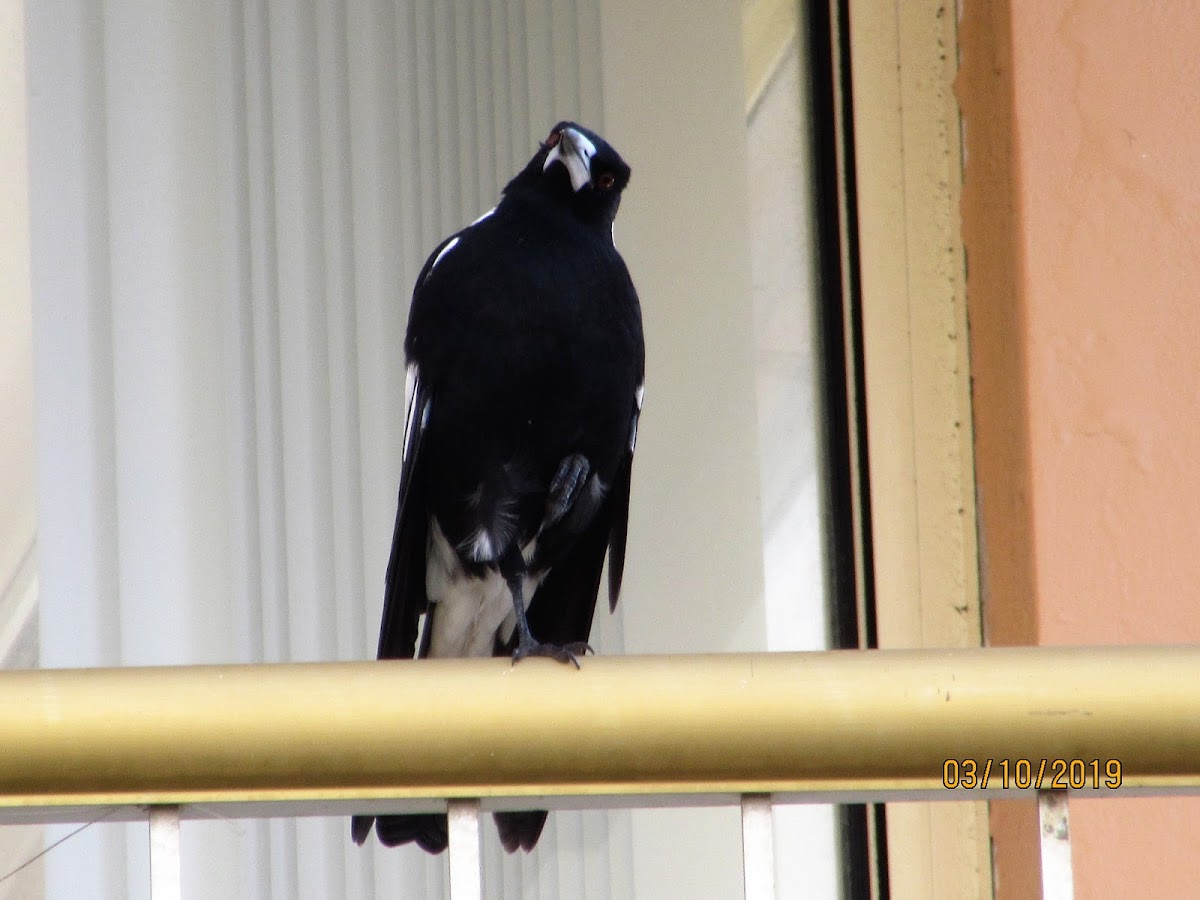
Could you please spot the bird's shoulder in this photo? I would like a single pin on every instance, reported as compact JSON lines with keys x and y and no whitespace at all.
{"x":524,"y":234}
{"x":518,"y":262}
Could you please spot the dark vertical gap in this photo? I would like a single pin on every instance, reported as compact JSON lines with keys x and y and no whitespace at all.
{"x":859,"y":825}
{"x":834,"y":372}
{"x":876,"y":812}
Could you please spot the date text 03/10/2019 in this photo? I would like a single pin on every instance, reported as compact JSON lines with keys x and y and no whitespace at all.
{"x":1039,"y":774}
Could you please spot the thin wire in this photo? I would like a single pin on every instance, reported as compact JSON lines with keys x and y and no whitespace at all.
{"x":211,"y":814}
{"x":29,"y":862}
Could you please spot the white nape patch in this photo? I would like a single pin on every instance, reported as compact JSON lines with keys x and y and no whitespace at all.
{"x":484,"y":216}
{"x":574,"y":151}
{"x":450,"y":245}
{"x":469,"y":613}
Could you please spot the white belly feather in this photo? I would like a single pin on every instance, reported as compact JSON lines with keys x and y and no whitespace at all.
{"x":467,"y":612}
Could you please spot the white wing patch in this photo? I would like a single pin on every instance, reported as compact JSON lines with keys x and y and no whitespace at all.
{"x":450,"y":245}
{"x":411,"y":377}
{"x":637,"y":398}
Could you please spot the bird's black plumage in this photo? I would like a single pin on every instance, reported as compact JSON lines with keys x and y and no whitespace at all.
{"x":526,"y":359}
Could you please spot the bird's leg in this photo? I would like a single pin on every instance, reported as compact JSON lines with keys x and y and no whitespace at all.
{"x":512,"y":567}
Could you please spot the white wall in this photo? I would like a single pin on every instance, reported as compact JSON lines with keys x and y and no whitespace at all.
{"x":796,"y":602}
{"x":674,"y":104}
{"x":17,"y":531}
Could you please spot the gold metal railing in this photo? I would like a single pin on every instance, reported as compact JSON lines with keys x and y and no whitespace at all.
{"x":836,"y":726}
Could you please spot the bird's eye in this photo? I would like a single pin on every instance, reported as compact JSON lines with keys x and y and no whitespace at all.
{"x":555,"y":137}
{"x":606,"y":181}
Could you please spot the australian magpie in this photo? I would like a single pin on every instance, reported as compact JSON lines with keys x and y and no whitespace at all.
{"x":525,"y":372}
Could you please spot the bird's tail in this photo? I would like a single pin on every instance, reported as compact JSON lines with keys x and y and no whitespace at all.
{"x":520,"y":829}
{"x":429,"y":830}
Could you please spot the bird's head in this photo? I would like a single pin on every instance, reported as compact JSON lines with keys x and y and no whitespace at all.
{"x":577,"y":168}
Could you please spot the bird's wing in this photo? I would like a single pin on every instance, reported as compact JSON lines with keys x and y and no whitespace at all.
{"x":404,"y":597}
{"x":618,"y":498}
{"x":404,"y":600}
{"x":562,"y":609}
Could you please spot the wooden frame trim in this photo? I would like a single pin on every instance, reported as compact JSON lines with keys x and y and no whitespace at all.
{"x":925,"y":548}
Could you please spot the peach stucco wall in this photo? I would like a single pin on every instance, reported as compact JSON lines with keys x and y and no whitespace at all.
{"x":1108,"y":143}
{"x":1085,"y":315}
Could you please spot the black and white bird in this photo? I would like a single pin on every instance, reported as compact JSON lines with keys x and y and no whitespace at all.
{"x":526,"y":365}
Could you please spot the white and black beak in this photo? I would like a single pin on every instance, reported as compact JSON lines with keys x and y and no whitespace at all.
{"x":575,"y":151}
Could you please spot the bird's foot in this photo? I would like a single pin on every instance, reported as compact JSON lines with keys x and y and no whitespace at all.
{"x":567,"y":653}
{"x":564,"y":488}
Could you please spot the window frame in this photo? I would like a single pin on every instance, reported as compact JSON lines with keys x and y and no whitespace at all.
{"x":908,"y":368}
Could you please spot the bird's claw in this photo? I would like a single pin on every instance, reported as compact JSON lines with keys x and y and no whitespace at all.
{"x":567,"y":653}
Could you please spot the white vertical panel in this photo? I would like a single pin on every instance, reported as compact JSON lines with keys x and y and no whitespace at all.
{"x":303,"y":385}
{"x":442,"y":161}
{"x":17,"y":526}
{"x":466,"y":881}
{"x":166,"y":873}
{"x":587,"y":50}
{"x":166,"y":152}
{"x":510,"y":866}
{"x":246,"y":551}
{"x":468,"y":155}
{"x":682,"y":230}
{"x":264,"y":337}
{"x":308,"y":81}
{"x":416,"y":175}
{"x":304,"y":351}
{"x":378,"y":106}
{"x":418,"y":60}
{"x":550,"y":859}
{"x":72,"y":334}
{"x":539,"y":70}
{"x":483,"y":121}
{"x":344,"y":526}
{"x":782,"y":258}
{"x":500,"y":91}
{"x":1054,"y":820}
{"x":518,"y":87}
{"x":18,"y":544}
{"x":564,"y":70}
{"x":165,"y":257}
{"x":758,"y":850}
